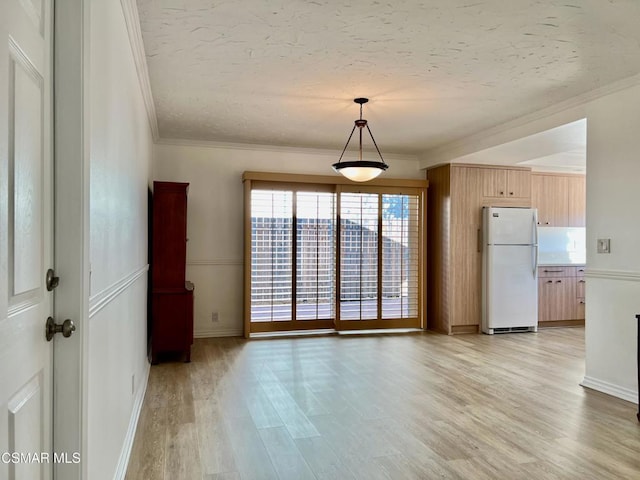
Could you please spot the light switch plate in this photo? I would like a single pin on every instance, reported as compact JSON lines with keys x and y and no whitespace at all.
{"x":604,"y":245}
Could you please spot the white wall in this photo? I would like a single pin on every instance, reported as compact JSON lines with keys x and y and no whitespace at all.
{"x":613,"y":282}
{"x":613,"y":196}
{"x":120,"y":153}
{"x":215,"y":215}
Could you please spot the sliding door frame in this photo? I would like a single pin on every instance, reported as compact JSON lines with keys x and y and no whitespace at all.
{"x":379,"y":322}
{"x":321,"y":183}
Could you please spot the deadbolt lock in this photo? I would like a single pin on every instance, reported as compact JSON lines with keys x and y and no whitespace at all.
{"x":66,"y":328}
{"x":51,"y":280}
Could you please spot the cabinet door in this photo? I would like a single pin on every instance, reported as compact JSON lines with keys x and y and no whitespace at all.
{"x":518,"y":183}
{"x":580,"y":289}
{"x":580,"y":308}
{"x":466,"y":195}
{"x":549,"y":196}
{"x":169,"y":235}
{"x":494,"y":182}
{"x":172,"y":322}
{"x":577,"y":199}
{"x":556,"y":299}
{"x":466,"y":276}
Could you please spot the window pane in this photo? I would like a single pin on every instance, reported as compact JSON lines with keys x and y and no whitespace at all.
{"x":315,"y":255}
{"x":358,"y":256}
{"x":271,"y":257}
{"x":400,"y":269}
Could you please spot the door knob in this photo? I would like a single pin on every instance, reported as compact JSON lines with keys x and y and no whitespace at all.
{"x":66,"y":328}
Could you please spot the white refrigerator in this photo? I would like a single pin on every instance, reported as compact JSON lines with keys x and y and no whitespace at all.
{"x":509,"y":270}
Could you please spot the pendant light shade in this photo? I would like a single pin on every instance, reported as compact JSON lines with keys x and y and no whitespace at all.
{"x":360,"y":170}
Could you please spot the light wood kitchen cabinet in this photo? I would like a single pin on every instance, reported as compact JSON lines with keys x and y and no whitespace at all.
{"x":577,"y":199}
{"x":560,"y":295}
{"x":580,"y":293}
{"x":506,"y":183}
{"x":560,"y":199}
{"x":456,"y":196}
{"x":549,"y":196}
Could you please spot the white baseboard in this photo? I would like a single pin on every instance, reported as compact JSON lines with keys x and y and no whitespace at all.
{"x":222,"y":332}
{"x":610,"y":389}
{"x":127,"y":445}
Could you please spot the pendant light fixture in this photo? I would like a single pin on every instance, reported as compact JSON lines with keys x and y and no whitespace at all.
{"x":360,"y":170}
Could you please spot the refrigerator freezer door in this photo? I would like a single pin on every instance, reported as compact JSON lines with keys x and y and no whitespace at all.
{"x":510,"y":226}
{"x":512,"y":287}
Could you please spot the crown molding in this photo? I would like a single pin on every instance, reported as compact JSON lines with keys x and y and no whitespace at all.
{"x":482,"y":140}
{"x":254,"y":147}
{"x":132,"y":21}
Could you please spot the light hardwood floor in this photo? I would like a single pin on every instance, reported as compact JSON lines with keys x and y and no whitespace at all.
{"x":412,"y":406}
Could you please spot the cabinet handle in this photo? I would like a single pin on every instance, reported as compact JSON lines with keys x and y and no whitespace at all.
{"x":501,"y":193}
{"x":582,"y":302}
{"x":580,"y":281}
{"x":546,"y":223}
{"x":549,"y":281}
{"x":510,"y":193}
{"x":558,"y":281}
{"x":552,"y":271}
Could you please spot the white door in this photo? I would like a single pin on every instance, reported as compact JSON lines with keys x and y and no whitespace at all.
{"x":25,"y":239}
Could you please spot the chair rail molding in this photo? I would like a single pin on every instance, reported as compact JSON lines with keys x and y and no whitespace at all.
{"x":101,"y":299}
{"x":628,"y":275}
{"x":215,"y":261}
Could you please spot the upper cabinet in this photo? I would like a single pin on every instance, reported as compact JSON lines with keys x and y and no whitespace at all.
{"x":505,"y":183}
{"x":577,"y":190}
{"x":560,"y":199}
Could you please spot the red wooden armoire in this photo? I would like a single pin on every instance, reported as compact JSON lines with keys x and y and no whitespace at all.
{"x":171,"y":294}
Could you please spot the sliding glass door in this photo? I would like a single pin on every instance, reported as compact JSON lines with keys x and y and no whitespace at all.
{"x":326,"y":257}
{"x":379,"y":266}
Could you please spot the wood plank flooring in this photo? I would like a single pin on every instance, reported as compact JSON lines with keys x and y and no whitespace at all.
{"x":403,"y":406}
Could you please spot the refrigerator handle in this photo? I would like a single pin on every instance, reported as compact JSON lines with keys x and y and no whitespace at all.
{"x":534,"y":225}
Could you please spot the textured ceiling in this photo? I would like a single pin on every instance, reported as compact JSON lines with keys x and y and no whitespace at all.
{"x":285,"y":72}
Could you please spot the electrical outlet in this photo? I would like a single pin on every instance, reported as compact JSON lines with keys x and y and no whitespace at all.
{"x":214,"y":317}
{"x":604,"y":245}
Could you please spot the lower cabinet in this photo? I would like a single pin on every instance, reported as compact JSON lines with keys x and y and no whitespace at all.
{"x":561,"y":295}
{"x":580,"y":287}
{"x":172,"y":311}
